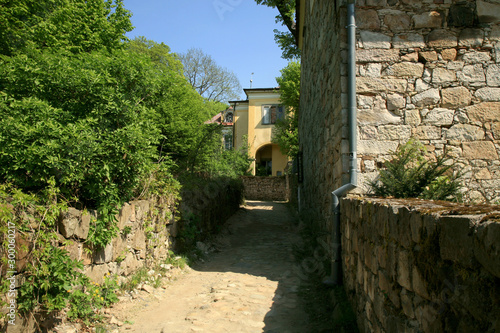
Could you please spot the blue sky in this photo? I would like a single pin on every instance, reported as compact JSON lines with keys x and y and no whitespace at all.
{"x":238,"y":34}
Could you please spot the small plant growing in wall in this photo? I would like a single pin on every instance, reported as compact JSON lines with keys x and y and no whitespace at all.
{"x":411,"y":173}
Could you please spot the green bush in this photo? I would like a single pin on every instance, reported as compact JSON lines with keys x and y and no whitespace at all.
{"x":412,"y":174}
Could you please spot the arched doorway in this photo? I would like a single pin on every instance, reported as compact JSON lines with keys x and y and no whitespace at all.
{"x":264,"y":161}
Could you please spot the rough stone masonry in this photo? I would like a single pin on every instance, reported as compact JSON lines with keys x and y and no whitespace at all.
{"x":428,"y":69}
{"x":431,"y":70}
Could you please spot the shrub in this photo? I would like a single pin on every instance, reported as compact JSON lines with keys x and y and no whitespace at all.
{"x":412,"y":174}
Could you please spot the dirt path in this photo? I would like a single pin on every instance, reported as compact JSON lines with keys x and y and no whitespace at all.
{"x":248,"y":286}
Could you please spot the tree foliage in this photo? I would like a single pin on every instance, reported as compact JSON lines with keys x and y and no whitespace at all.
{"x":286,"y":131}
{"x":288,"y":40}
{"x":74,"y":25}
{"x":93,"y":115}
{"x":412,"y":174}
{"x":210,"y":80}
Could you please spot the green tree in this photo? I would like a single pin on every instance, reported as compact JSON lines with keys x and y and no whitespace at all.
{"x":210,"y":80}
{"x":288,"y":40}
{"x":74,"y":25}
{"x":159,"y":53}
{"x":285,"y":132}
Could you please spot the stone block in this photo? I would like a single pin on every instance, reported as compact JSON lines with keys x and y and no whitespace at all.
{"x":398,"y":22}
{"x":472,"y":75}
{"x":408,"y":40}
{"x":73,"y":223}
{"x":129,"y":265}
{"x":395,"y":102}
{"x":384,"y":283}
{"x":449,"y":54}
{"x":119,"y":247}
{"x":488,"y":12}
{"x":439,"y":117}
{"x":471,"y":38}
{"x":495,"y":129}
{"x":394,"y":132}
{"x":375,"y":40}
{"x":426,"y":133}
{"x":104,"y":255}
{"x":371,"y":70}
{"x":376,"y":147}
{"x":376,"y":3}
{"x":124,"y":215}
{"x":484,"y":112}
{"x":74,"y":249}
{"x":427,"y":98}
{"x":96,"y":273}
{"x":380,"y":85}
{"x":428,"y":56}
{"x":461,"y":15}
{"x":493,"y":75}
{"x":488,"y":95}
{"x":412,"y":117}
{"x":141,"y":209}
{"x":441,"y":38}
{"x":404,"y":270}
{"x":405,"y":69}
{"x":479,"y":150}
{"x":367,"y":19}
{"x":138,"y":240}
{"x":456,"y":240}
{"x":456,"y":97}
{"x":419,"y":284}
{"x":410,"y":57}
{"x":487,"y":246}
{"x":392,"y":261}
{"x":476,"y":57}
{"x":404,"y":238}
{"x":407,"y":304}
{"x":432,"y":19}
{"x":416,"y":226}
{"x":443,"y":75}
{"x":465,"y":132}
{"x":377,"y":55}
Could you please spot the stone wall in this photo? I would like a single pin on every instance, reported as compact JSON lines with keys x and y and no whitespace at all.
{"x":421,"y":266}
{"x":425,"y":68}
{"x":148,"y":229}
{"x":322,"y":121}
{"x":430,"y":70}
{"x":146,"y":234}
{"x":265,"y":188}
{"x":207,"y":204}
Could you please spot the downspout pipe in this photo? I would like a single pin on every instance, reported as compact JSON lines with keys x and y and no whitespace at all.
{"x":336,"y":272}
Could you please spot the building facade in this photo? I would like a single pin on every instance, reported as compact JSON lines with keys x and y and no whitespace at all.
{"x":254,"y":120}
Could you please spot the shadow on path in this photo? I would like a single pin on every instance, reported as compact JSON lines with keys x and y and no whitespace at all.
{"x":250,"y":284}
{"x":260,"y":243}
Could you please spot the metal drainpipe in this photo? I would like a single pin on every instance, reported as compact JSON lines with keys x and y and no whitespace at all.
{"x":336,"y":276}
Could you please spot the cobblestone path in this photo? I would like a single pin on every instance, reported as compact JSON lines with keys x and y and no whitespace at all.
{"x":248,"y":286}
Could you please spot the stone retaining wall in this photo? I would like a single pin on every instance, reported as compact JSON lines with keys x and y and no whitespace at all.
{"x":147,"y":228}
{"x":265,"y":188}
{"x":420,"y":266}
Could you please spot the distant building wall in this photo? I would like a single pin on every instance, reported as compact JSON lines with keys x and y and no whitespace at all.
{"x":265,"y":188}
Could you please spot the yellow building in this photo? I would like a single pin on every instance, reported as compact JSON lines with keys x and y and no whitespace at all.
{"x":254,"y":120}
